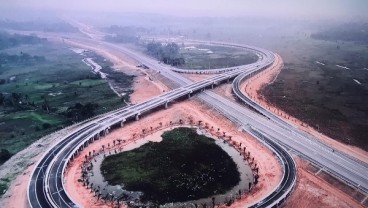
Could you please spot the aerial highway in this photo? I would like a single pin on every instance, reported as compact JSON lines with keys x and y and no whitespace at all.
{"x":46,"y":185}
{"x":343,"y":166}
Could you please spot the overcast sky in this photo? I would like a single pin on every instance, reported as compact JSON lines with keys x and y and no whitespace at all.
{"x":272,"y":8}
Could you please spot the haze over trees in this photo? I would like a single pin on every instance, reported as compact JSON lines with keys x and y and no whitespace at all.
{"x":58,"y":26}
{"x":357,"y":31}
{"x":168,"y":53}
{"x":11,"y":40}
{"x":125,"y":34}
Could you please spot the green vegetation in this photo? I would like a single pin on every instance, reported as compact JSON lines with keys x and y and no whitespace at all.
{"x":51,"y":89}
{"x":199,"y":56}
{"x":324,"y":96}
{"x":52,"y":26}
{"x":123,"y":81}
{"x":126,"y":34}
{"x":213,"y":57}
{"x":183,"y":166}
{"x":169,"y":53}
{"x":4,"y":183}
{"x":353,"y":31}
{"x":8,"y":41}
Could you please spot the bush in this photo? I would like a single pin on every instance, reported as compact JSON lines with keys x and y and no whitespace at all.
{"x":4,"y":155}
{"x":46,"y":125}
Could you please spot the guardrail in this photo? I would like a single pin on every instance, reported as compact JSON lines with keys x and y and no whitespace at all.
{"x":288,"y":179}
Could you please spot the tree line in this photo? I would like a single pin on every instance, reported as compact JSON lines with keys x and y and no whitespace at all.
{"x":346,"y":32}
{"x":20,"y":101}
{"x":12,"y":40}
{"x":24,"y":58}
{"x":126,"y":34}
{"x":57,"y":26}
{"x":167,"y":53}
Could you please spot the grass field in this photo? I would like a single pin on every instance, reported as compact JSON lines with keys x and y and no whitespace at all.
{"x":212,"y":57}
{"x":183,"y":166}
{"x":324,"y":96}
{"x":61,"y":81}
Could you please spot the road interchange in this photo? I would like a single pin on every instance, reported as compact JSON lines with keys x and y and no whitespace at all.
{"x":48,"y":191}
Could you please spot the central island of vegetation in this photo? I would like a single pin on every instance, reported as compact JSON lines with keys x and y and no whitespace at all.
{"x":184,"y":166}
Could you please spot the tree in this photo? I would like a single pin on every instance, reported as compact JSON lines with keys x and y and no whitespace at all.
{"x":2,"y":98}
{"x":46,"y":125}
{"x":169,"y":54}
{"x":4,"y":155}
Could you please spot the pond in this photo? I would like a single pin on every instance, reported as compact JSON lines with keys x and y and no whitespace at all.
{"x":186,"y":168}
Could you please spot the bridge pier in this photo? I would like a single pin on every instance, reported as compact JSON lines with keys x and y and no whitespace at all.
{"x":137,"y":117}
{"x":106,"y":131}
{"x":166,"y":105}
{"x":212,"y":86}
{"x":122,"y":123}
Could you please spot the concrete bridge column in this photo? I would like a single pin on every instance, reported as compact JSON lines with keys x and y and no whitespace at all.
{"x":106,"y":131}
{"x":166,"y":105}
{"x":137,"y":117}
{"x":212,"y":86}
{"x":122,"y":123}
{"x":189,"y":95}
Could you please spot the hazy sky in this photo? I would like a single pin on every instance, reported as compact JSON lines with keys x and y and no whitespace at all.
{"x":273,"y":8}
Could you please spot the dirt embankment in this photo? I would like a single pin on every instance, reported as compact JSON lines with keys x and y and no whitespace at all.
{"x":312,"y":191}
